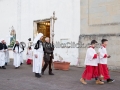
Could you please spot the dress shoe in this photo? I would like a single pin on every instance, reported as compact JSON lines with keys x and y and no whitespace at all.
{"x":51,"y":73}
{"x":110,"y":80}
{"x":3,"y":67}
{"x":99,"y":82}
{"x":83,"y":81}
{"x":21,"y":63}
{"x":37,"y":75}
{"x":16,"y":67}
{"x":5,"y":64}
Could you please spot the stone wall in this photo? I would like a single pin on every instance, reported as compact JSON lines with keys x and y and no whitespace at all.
{"x":113,"y":47}
{"x":100,"y":16}
{"x":101,"y":19}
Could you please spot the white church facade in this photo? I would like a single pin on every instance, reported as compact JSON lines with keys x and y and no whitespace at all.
{"x":57,"y":19}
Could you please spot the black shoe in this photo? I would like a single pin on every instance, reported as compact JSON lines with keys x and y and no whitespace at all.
{"x":16,"y":67}
{"x":38,"y":75}
{"x":51,"y":73}
{"x":3,"y":67}
{"x":110,"y":80}
{"x":5,"y":64}
{"x":21,"y":63}
{"x":35,"y":74}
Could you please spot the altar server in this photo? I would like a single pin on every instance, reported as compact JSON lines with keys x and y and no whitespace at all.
{"x":17,"y":54}
{"x":29,"y":56}
{"x":91,"y":62}
{"x":2,"y":54}
{"x":38,"y":55}
{"x":103,"y":69}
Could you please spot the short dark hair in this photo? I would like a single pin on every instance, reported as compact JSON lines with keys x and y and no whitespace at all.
{"x":103,"y":40}
{"x":93,"y":42}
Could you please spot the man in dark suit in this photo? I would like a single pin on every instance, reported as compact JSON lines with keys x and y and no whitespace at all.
{"x":48,"y":49}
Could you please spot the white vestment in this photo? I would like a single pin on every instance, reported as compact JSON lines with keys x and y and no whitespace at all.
{"x":2,"y":55}
{"x":102,"y":50}
{"x":7,"y":60}
{"x":17,"y":56}
{"x":21,"y":59}
{"x":30,"y":54}
{"x":2,"y":58}
{"x":37,"y":62}
{"x":89,"y":57}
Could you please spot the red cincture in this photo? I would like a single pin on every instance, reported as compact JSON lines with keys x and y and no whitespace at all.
{"x":95,"y":56}
{"x":105,"y":56}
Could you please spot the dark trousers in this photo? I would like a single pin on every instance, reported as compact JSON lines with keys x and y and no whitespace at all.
{"x":46,"y":64}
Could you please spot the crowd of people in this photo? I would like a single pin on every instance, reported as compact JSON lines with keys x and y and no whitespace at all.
{"x":41,"y":51}
{"x":4,"y":54}
{"x":96,"y":63}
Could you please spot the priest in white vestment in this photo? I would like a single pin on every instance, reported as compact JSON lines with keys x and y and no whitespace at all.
{"x":17,"y":50}
{"x":103,"y":68}
{"x":2,"y":54}
{"x":91,"y":62}
{"x":38,"y":55}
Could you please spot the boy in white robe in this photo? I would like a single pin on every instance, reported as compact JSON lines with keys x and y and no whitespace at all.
{"x":2,"y":54}
{"x":91,"y":62}
{"x":38,"y":55}
{"x":17,"y":50}
{"x":103,"y":69}
{"x":29,"y":56}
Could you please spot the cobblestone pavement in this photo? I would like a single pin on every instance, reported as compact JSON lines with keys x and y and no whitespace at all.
{"x":23,"y":79}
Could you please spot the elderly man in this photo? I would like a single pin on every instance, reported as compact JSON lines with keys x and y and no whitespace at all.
{"x":48,"y":55}
{"x":3,"y":49}
{"x":17,"y":54}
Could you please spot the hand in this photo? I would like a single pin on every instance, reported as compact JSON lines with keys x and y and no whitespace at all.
{"x":36,"y":56}
{"x":108,"y":56}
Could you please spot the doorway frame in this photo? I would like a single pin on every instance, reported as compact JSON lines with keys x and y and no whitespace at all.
{"x":35,"y":32}
{"x":52,"y":22}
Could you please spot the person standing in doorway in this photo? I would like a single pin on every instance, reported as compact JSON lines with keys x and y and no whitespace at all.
{"x":38,"y":55}
{"x":48,"y":55}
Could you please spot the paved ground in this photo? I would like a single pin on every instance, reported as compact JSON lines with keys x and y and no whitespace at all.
{"x":23,"y":79}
